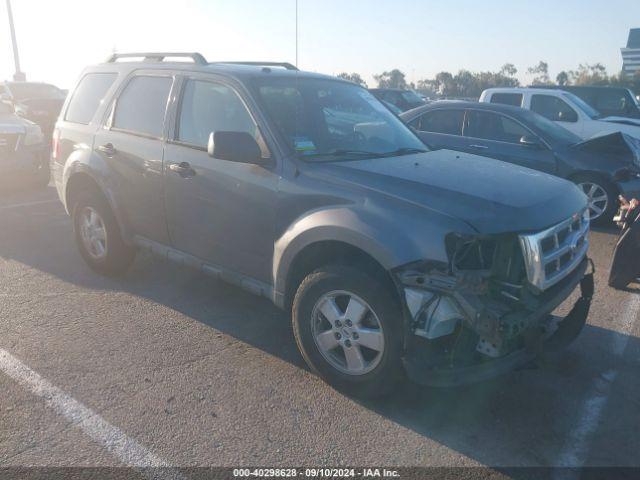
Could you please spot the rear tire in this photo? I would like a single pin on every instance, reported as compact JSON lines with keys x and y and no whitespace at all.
{"x":98,"y":235}
{"x":348,"y":327}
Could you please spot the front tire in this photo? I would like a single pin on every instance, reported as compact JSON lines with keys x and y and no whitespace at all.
{"x":602,"y":195}
{"x":348,"y":327}
{"x":98,"y":236}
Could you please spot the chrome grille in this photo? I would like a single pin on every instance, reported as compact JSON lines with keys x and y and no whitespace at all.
{"x":552,"y":254}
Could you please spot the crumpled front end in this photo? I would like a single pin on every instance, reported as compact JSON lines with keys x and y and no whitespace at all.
{"x":489,"y":310}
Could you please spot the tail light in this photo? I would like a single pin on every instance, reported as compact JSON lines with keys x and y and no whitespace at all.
{"x":55,"y":145}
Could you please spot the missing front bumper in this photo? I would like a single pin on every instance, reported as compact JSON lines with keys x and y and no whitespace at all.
{"x":548,"y":334}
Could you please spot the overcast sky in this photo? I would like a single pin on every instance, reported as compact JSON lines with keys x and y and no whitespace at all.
{"x":421,"y":37}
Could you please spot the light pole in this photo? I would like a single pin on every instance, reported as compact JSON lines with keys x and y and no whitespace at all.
{"x":18,"y":76}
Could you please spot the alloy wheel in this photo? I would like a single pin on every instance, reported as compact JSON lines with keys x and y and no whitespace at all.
{"x":347,"y":332}
{"x":93,"y":233}
{"x":598,"y":198}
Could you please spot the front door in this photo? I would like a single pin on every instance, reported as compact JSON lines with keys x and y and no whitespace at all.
{"x":497,"y":136}
{"x":559,"y":111}
{"x":218,"y":210}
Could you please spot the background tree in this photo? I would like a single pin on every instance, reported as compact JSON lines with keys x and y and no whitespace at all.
{"x":562,"y":78}
{"x":393,"y":79}
{"x":444,"y":84}
{"x":586,"y":74}
{"x":353,"y":77}
{"x":509,"y":70}
{"x":541,"y":72}
{"x":466,"y":84}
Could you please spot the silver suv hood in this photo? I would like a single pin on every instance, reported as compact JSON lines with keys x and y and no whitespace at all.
{"x":490,"y":195}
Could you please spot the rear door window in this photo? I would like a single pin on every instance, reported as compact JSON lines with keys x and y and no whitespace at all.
{"x":495,"y":127}
{"x":448,"y":122}
{"x":88,"y":96}
{"x":514,"y":99}
{"x":553,"y":108}
{"x":142,"y":105}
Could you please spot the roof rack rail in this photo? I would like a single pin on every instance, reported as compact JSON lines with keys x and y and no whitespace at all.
{"x":286,"y":65}
{"x":159,"y":56}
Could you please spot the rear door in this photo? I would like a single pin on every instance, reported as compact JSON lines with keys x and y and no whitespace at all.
{"x":494,"y":135}
{"x":132,"y":144}
{"x":441,"y":128}
{"x":218,"y":210}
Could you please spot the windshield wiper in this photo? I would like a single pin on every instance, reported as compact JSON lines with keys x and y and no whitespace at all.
{"x":345,"y":153}
{"x":357,"y":154}
{"x":403,"y":151}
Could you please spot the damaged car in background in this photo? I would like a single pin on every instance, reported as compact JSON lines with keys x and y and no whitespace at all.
{"x":23,"y":150}
{"x":603,"y":167}
{"x":390,"y":257}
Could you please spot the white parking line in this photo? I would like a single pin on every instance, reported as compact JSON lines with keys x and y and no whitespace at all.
{"x":124,"y":448}
{"x":574,"y":455}
{"x":28,"y":204}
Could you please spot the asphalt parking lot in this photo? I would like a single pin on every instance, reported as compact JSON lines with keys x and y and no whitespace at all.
{"x":169,"y":366}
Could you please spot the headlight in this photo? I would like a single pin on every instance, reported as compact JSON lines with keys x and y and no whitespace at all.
{"x":33,"y":136}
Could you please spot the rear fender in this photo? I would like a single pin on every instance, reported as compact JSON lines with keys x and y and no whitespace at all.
{"x":84,"y":162}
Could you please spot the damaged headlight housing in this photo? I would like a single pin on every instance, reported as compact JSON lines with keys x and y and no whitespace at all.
{"x":468,"y":252}
{"x":434,"y":315}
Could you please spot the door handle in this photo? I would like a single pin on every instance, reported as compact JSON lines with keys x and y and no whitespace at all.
{"x":479,"y":147}
{"x":108,"y":149}
{"x":183,"y":169}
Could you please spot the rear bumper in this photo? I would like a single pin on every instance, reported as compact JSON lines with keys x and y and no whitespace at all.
{"x":548,"y":333}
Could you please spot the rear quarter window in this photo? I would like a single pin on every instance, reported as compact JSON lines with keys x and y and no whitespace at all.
{"x":513,"y":99}
{"x":88,"y":96}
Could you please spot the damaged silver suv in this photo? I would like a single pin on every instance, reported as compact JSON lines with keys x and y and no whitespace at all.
{"x":307,"y":190}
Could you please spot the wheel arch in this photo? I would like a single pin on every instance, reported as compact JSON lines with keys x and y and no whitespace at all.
{"x":332,"y":252}
{"x":80,"y":180}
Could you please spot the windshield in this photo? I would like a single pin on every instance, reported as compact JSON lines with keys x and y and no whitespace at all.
{"x":551,"y":131}
{"x":582,"y":105}
{"x":23,"y":91}
{"x":332,"y":120}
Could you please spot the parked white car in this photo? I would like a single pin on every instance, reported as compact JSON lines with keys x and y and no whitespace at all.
{"x":564,"y":108}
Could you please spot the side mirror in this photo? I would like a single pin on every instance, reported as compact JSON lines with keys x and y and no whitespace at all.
{"x":235,"y":147}
{"x":530,"y":141}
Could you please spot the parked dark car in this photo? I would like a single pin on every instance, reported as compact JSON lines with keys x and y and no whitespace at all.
{"x":609,"y":101}
{"x":23,"y":153}
{"x":38,"y":102}
{"x":307,"y":190}
{"x":402,"y":99}
{"x":604,"y":167}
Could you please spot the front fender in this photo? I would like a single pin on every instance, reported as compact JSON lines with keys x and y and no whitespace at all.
{"x":391,"y":238}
